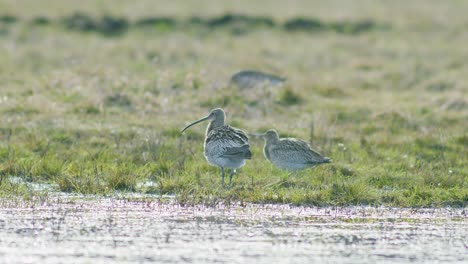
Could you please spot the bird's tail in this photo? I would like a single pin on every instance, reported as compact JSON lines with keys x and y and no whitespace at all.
{"x":326,"y":160}
{"x":248,"y":153}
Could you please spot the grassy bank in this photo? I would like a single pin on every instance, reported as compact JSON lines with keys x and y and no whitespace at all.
{"x":97,"y":113}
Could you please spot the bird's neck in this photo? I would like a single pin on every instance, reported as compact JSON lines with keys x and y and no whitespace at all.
{"x":272,"y":140}
{"x":215,"y":124}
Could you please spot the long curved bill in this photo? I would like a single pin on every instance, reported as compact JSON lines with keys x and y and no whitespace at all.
{"x":194,"y":123}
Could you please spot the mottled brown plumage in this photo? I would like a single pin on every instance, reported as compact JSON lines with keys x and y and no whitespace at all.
{"x":225,"y":146}
{"x":290,"y":153}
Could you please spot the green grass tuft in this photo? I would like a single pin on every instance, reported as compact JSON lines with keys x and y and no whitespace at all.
{"x":288,"y":97}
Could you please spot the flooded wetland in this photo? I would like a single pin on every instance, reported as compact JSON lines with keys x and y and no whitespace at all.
{"x":94,"y":167}
{"x":100,"y":230}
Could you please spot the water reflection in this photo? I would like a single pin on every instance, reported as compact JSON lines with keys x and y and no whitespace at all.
{"x":100,"y":230}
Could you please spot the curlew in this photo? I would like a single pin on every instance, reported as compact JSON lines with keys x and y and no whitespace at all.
{"x":290,"y":153}
{"x":225,"y":146}
{"x":249,"y":79}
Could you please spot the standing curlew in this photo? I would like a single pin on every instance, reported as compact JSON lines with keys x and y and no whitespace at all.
{"x":290,"y":153}
{"x":225,"y":146}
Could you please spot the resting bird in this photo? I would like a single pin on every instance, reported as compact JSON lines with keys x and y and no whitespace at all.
{"x":225,"y":146}
{"x":290,"y":153}
{"x":250,"y":79}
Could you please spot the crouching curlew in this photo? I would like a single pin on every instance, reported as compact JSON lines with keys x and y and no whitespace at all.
{"x":290,"y":153}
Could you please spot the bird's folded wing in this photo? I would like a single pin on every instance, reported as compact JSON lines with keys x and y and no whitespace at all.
{"x":236,"y":151}
{"x":297,"y":151}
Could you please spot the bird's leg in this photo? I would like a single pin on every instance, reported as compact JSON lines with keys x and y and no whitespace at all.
{"x":230,"y":177}
{"x":222,"y":176}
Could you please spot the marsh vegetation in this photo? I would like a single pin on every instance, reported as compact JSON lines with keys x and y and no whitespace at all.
{"x":93,"y":100}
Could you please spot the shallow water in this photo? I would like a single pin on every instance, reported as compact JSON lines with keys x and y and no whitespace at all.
{"x":103,"y":230}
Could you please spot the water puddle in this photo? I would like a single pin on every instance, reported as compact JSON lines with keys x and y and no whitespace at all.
{"x":79,"y":229}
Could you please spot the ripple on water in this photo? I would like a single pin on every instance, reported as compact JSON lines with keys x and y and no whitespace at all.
{"x":83,"y":229}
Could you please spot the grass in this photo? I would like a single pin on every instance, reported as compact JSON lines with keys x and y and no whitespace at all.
{"x":97,"y":113}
